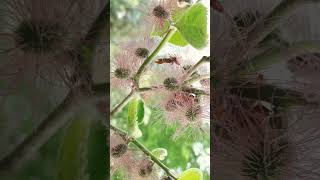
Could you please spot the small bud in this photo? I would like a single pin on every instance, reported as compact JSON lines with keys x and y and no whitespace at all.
{"x":160,"y":153}
{"x":119,"y":150}
{"x":170,"y":83}
{"x":142,"y":52}
{"x":160,"y":12}
{"x":122,"y":73}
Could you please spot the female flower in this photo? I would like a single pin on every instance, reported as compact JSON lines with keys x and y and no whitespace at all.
{"x":44,"y":34}
{"x":160,"y":12}
{"x":140,"y":48}
{"x":123,"y":69}
{"x":121,"y":158}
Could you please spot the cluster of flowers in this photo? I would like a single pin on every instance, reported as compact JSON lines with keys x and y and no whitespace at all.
{"x":172,"y":88}
{"x":134,"y":164}
{"x":255,"y":137}
{"x":179,"y":100}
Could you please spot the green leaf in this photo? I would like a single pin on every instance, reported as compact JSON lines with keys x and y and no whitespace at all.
{"x":191,"y":174}
{"x":160,"y":153}
{"x":193,"y":26}
{"x":72,"y":160}
{"x":160,"y":32}
{"x":132,"y":112}
{"x":136,"y":114}
{"x":178,"y":40}
{"x":140,"y":111}
{"x":98,"y":162}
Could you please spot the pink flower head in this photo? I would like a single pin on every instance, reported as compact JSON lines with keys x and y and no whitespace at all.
{"x":121,"y":157}
{"x":124,"y":67}
{"x":145,"y":170}
{"x":160,"y":12}
{"x":41,"y":33}
{"x":243,"y":153}
{"x":141,"y":48}
{"x":187,"y":110}
{"x":168,"y":76}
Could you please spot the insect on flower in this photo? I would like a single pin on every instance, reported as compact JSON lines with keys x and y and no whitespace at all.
{"x":170,"y":60}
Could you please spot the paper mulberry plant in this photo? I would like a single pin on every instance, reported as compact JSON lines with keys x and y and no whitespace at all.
{"x":164,"y":68}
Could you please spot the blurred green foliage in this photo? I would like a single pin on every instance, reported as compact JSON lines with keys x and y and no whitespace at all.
{"x":124,"y":17}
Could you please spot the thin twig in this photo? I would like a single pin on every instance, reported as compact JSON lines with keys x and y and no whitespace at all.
{"x":121,"y":104}
{"x":166,"y":38}
{"x":137,"y":76}
{"x":204,"y":59}
{"x":195,"y":79}
{"x":145,"y":151}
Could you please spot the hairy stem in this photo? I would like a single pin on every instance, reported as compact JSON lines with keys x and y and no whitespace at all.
{"x":166,"y":38}
{"x":145,"y":151}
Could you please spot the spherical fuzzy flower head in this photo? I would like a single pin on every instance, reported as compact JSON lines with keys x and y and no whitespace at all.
{"x":167,"y":75}
{"x":145,"y":170}
{"x":118,"y":145}
{"x":41,"y":33}
{"x":124,"y":67}
{"x":246,"y":154}
{"x":160,"y":11}
{"x":39,"y":37}
{"x":121,"y":157}
{"x":187,"y":110}
{"x":47,"y":27}
{"x":170,"y":83}
{"x":140,"y":48}
{"x":142,"y":52}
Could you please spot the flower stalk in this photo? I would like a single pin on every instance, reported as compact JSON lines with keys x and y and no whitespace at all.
{"x":166,"y":38}
{"x":137,"y":76}
{"x":145,"y":150}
